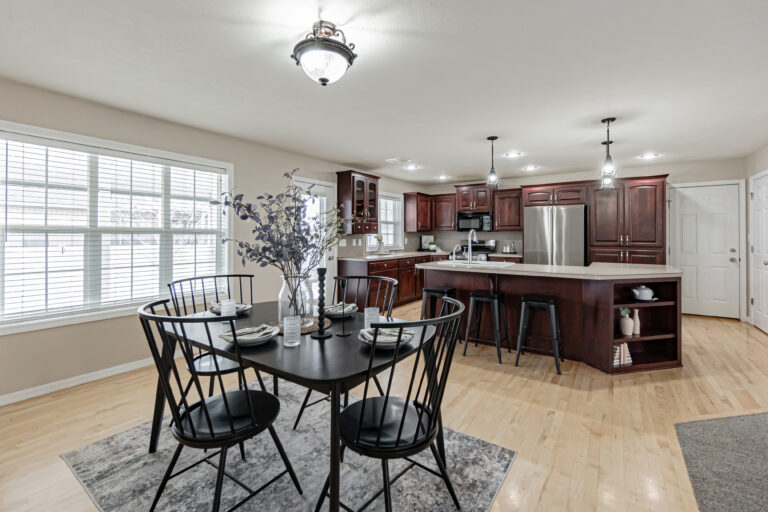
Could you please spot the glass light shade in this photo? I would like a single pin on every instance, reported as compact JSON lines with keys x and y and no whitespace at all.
{"x":609,"y":169}
{"x":322,"y":65}
{"x":606,"y":183}
{"x":493,"y":179}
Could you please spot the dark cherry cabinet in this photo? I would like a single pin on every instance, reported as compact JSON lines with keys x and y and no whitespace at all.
{"x":418,"y":212}
{"x":628,"y":221}
{"x":473,"y":198}
{"x":570,"y":194}
{"x":444,"y":212}
{"x":358,"y":196}
{"x":644,"y":205}
{"x":507,"y":210}
{"x":538,"y":195}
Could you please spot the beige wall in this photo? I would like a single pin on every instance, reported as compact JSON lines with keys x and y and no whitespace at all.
{"x":40,"y":357}
{"x":757,"y":161}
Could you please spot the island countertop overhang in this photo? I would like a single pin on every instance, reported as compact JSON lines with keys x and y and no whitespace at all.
{"x":593,"y":272}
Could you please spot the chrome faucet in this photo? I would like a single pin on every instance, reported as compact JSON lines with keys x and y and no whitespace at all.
{"x":457,"y":246}
{"x":471,"y":237}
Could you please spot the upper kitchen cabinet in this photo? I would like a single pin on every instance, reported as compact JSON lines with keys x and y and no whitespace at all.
{"x":358,"y":196}
{"x":644,"y":208}
{"x":507,"y":210}
{"x":418,"y":212}
{"x":444,"y":212}
{"x":538,"y":196}
{"x":473,"y":198}
{"x":606,"y":215}
{"x":545,"y":195}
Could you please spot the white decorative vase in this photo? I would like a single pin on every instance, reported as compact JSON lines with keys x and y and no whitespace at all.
{"x":636,"y":322}
{"x":626,"y":324}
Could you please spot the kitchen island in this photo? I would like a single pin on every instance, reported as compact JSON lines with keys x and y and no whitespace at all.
{"x":589,"y":300}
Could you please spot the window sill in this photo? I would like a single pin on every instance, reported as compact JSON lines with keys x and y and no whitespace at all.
{"x":29,"y":325}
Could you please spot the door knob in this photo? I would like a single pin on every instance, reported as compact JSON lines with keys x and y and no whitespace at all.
{"x":765,"y":262}
{"x":732,"y":260}
{"x":733,"y":250}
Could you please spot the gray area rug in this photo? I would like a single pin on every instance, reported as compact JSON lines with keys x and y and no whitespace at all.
{"x":727,"y":461}
{"x":120,"y":475}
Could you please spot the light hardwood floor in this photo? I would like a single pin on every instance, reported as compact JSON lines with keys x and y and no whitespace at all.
{"x":585,"y":440}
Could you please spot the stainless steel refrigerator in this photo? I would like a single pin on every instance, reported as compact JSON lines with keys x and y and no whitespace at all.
{"x":555,"y":235}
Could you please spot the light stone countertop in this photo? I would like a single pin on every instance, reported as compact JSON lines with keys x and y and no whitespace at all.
{"x":394,"y":256}
{"x":595,"y":271}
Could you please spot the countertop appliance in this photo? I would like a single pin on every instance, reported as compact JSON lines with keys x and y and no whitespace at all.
{"x":479,"y":221}
{"x":555,"y":235}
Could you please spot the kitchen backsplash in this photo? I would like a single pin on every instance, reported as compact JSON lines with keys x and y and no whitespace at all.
{"x":354,"y":245}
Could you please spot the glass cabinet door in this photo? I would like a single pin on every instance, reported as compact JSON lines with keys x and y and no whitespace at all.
{"x":360,"y":196}
{"x":373,"y":206}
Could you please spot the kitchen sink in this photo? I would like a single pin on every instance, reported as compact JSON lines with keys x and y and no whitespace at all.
{"x":475,"y":264}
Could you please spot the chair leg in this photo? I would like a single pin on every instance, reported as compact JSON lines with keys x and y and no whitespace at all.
{"x":242,"y":451}
{"x":261,"y":381}
{"x":446,"y":479}
{"x":496,"y":328}
{"x":555,"y":337}
{"x":166,"y":476}
{"x":522,"y":334}
{"x":378,"y":385}
{"x":506,"y":327}
{"x":387,"y":491}
{"x":283,"y":456}
{"x":274,"y":385}
{"x":219,"y":480}
{"x":469,"y":323}
{"x":301,"y":410}
{"x":441,"y":439}
{"x":210,"y":386}
{"x":478,"y":320}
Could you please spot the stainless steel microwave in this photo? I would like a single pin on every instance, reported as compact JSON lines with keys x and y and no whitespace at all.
{"x":477,"y":221}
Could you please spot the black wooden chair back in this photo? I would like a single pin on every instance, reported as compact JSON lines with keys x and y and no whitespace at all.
{"x":367,"y":291}
{"x":408,"y":421}
{"x":235,"y":412}
{"x":197,"y":294}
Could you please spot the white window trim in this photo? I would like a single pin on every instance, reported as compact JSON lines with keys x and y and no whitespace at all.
{"x":401,"y":199}
{"x":77,"y":317}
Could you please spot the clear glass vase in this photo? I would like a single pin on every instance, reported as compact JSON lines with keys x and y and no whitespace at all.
{"x":296,"y":299}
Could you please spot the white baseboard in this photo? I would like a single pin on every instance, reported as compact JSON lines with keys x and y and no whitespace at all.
{"x":24,"y":394}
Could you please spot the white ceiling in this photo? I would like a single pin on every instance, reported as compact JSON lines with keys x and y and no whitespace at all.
{"x":686,"y":78}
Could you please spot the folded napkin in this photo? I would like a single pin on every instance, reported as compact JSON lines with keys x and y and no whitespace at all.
{"x":216,"y":307}
{"x":341,"y":308}
{"x":249,"y":333}
{"x":387,"y":335}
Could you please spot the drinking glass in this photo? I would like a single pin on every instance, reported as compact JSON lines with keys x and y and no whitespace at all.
{"x":371,"y":316}
{"x":291,"y":331}
{"x":228,"y":307}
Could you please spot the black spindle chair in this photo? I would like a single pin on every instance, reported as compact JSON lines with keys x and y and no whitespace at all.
{"x":396,"y":427}
{"x":195,"y":295}
{"x":214,"y":422}
{"x":364,"y":291}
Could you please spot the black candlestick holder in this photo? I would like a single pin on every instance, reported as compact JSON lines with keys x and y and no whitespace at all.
{"x":320,"y":334}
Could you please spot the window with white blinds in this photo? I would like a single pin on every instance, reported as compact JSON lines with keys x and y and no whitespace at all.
{"x":390,"y":222}
{"x":87,"y":229}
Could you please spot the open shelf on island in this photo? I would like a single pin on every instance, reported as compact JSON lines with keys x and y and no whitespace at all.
{"x":646,"y":334}
{"x":638,"y":305}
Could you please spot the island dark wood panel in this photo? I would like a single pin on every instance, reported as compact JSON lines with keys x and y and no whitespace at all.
{"x":588,"y":312}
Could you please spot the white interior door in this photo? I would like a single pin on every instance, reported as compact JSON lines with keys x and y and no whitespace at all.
{"x":705,"y":246}
{"x":326,"y":199}
{"x":759,"y":255}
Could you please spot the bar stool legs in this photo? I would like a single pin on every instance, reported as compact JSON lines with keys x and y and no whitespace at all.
{"x":547,"y":304}
{"x":477,"y":300}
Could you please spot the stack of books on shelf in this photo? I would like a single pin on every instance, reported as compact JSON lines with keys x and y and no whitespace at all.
{"x":621,"y":356}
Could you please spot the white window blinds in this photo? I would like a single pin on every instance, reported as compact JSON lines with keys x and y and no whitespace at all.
{"x":390,"y":222}
{"x":87,"y":229}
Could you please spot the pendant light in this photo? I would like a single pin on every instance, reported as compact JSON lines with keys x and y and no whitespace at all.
{"x":493,"y":178}
{"x":608,"y":172}
{"x":324,"y":54}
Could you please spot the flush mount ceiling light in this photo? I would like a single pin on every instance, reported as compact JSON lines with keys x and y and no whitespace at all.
{"x":411,"y":166}
{"x":530,"y":167}
{"x":648,"y":156}
{"x":493,"y":178}
{"x":442,"y":177}
{"x":324,"y":55}
{"x":608,"y":171}
{"x":514,"y":154}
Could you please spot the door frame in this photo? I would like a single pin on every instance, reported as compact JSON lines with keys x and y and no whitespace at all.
{"x":312,"y":181}
{"x":744,"y":261}
{"x":759,"y":175}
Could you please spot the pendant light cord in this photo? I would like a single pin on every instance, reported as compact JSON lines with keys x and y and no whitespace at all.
{"x":492,"y":168}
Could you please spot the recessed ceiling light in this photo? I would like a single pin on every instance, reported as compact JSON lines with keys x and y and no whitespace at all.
{"x":442,"y":177}
{"x":514,"y":154}
{"x":648,"y":156}
{"x":531,"y":167}
{"x":410,"y":167}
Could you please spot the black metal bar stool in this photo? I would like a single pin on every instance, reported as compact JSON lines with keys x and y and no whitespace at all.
{"x":548,"y":304}
{"x":496,"y":301}
{"x":431,"y":295}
